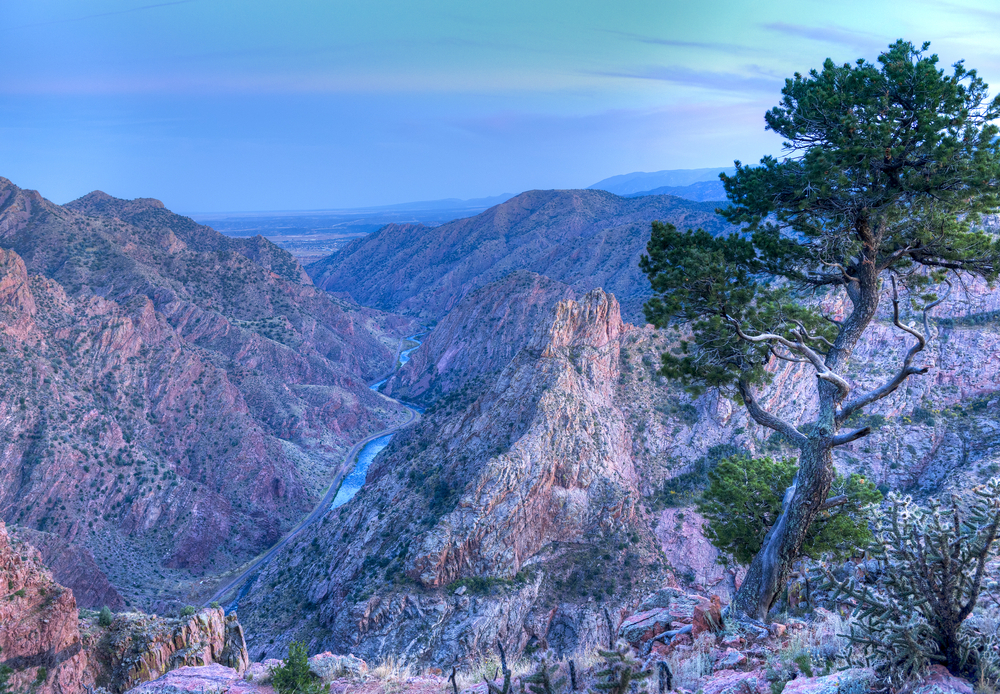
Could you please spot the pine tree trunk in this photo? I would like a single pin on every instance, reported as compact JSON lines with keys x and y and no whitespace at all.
{"x":769,"y":570}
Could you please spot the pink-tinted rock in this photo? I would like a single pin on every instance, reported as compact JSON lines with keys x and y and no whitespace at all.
{"x":39,"y":628}
{"x":777,"y":629}
{"x":645,"y":625}
{"x":730,"y":659}
{"x":940,"y":681}
{"x":734,"y":641}
{"x":845,"y":682}
{"x":206,"y":679}
{"x":707,"y":616}
{"x":329,"y":667}
{"x":735,"y":682}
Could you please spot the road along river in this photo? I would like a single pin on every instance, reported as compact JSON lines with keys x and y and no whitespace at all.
{"x":346,"y":484}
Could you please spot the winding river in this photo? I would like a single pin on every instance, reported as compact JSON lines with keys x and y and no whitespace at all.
{"x":356,"y":477}
{"x":340,"y":492}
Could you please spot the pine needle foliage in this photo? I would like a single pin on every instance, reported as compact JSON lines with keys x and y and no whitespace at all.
{"x":619,"y":673}
{"x":934,"y":560}
{"x":294,"y":676}
{"x":743,"y":501}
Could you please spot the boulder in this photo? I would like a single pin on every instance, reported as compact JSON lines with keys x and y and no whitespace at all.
{"x":940,"y":681}
{"x":707,"y":616}
{"x":643,"y":626}
{"x":730,"y":659}
{"x":777,"y":629}
{"x":852,"y":681}
{"x":262,"y":672}
{"x":329,"y":667}
{"x":736,"y":682}
{"x":205,"y":679}
{"x":678,"y":604}
{"x":734,"y":641}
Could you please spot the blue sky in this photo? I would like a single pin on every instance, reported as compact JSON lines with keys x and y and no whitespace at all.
{"x":215,"y":105}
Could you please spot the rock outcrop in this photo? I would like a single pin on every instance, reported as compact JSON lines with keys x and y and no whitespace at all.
{"x":570,"y":473}
{"x":52,"y":650}
{"x":39,"y":631}
{"x":583,"y":238}
{"x":479,"y":337}
{"x":137,"y":648}
{"x":73,"y":567}
{"x":511,"y":514}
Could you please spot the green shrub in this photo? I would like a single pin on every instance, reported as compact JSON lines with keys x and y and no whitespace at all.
{"x":743,"y":500}
{"x":104,"y":618}
{"x":620,"y":673}
{"x":294,"y":677}
{"x":5,"y":673}
{"x":188,"y":610}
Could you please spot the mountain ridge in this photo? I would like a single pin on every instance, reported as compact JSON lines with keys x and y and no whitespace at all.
{"x":584,"y":238}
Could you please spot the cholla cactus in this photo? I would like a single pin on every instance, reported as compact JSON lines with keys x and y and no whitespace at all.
{"x":544,"y":680}
{"x":934,"y":562}
{"x":620,"y":671}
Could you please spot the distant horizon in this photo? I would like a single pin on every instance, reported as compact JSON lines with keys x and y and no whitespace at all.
{"x":214,"y":105}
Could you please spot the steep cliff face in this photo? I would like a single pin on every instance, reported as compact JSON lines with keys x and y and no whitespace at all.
{"x":52,"y":650}
{"x":74,"y":567}
{"x":479,"y":337}
{"x":39,"y":633}
{"x":174,"y":401}
{"x":508,"y":514}
{"x":584,"y":238}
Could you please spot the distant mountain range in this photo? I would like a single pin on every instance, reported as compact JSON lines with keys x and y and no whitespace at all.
{"x":644,"y":183}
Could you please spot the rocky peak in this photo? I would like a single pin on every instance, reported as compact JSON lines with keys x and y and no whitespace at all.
{"x":593,"y":321}
{"x":100,"y":203}
{"x":464,"y":347}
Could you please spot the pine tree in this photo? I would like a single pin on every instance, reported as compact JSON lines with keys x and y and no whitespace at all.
{"x":888,"y":169}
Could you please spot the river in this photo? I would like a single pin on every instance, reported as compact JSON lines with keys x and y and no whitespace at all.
{"x":355,"y":479}
{"x":351,"y":483}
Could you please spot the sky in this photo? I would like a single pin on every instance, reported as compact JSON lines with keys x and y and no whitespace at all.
{"x":226,"y":105}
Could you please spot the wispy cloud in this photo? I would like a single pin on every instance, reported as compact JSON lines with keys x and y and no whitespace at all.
{"x":717,"y":47}
{"x":81,"y":18}
{"x":705,"y":79}
{"x":832,"y":34}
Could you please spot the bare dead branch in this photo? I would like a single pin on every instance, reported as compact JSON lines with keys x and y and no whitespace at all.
{"x":765,"y":418}
{"x":841,"y":439}
{"x":905,"y":371}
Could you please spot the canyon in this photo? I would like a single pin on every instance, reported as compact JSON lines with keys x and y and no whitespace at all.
{"x":178,"y":400}
{"x":175,"y":400}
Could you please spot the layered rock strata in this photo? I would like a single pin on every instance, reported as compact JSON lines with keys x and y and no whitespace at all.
{"x":50,"y":649}
{"x":578,"y":460}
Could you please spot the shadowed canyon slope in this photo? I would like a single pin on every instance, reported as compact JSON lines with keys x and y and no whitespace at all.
{"x":174,"y":399}
{"x":583,"y":238}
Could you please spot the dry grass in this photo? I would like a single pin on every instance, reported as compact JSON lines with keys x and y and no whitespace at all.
{"x":392,"y":673}
{"x":488,"y":668}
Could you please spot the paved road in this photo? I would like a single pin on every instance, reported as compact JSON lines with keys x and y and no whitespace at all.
{"x":321,"y":508}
